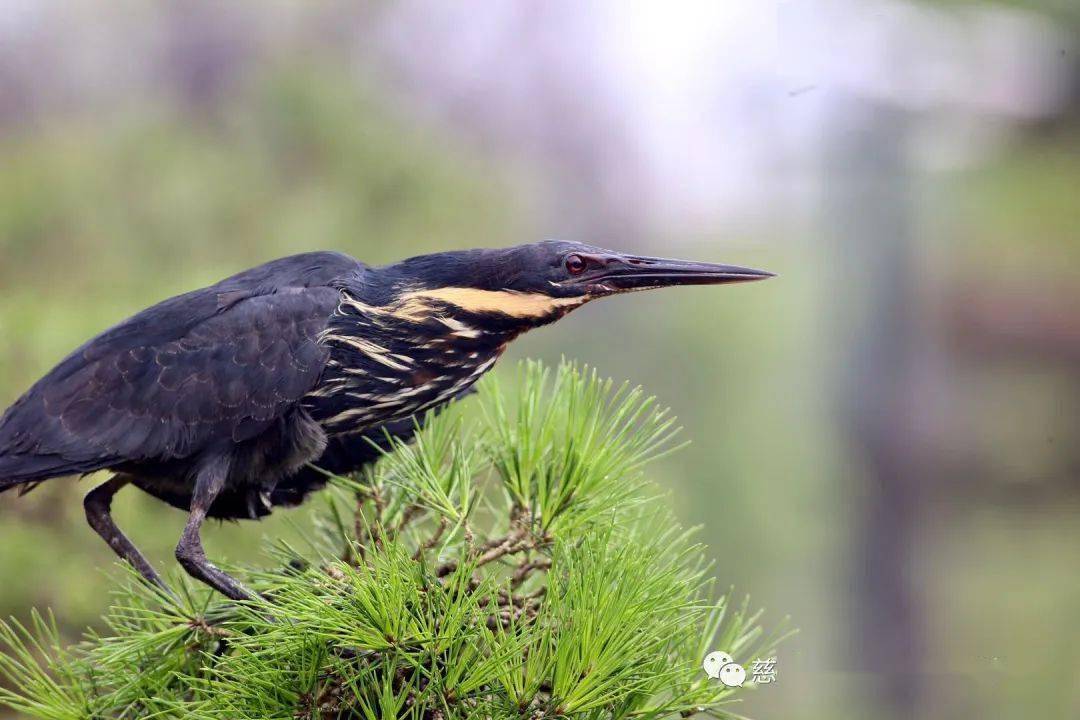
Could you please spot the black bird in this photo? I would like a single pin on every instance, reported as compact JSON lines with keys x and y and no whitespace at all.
{"x":218,"y":401}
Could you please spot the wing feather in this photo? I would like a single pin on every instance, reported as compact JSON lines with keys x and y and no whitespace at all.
{"x":214,"y":366}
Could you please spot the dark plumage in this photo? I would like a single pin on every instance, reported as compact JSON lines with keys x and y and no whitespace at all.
{"x":219,"y":400}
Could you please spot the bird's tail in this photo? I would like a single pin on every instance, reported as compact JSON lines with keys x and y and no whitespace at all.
{"x":26,"y":471}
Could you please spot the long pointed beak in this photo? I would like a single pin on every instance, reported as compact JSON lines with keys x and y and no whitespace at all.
{"x":625,"y":273}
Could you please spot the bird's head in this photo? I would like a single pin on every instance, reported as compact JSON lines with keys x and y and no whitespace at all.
{"x":540,"y":282}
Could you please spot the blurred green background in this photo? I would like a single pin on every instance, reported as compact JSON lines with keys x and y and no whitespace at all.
{"x":884,"y":439}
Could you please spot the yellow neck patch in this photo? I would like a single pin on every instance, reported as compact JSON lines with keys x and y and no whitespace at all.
{"x":508,"y":302}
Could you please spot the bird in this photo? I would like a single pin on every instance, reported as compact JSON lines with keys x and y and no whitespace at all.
{"x":231,"y":400}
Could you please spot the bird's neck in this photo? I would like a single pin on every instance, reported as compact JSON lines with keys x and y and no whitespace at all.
{"x":450,"y":317}
{"x":421,"y":315}
{"x":404,"y":357}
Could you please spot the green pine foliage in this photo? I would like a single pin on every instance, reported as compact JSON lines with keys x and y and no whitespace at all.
{"x":512,"y":562}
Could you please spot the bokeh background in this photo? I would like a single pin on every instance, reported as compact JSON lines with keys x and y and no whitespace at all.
{"x":885,"y":439}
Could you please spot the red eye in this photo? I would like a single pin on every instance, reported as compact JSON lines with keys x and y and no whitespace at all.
{"x":575,"y":264}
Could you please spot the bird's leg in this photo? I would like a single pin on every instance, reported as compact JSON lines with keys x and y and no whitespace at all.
{"x":189,"y":551}
{"x":98,"y":504}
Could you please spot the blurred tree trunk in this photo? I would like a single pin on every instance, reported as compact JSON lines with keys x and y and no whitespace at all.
{"x":877,"y":336}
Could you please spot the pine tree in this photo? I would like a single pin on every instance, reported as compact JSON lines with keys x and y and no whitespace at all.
{"x":512,"y":562}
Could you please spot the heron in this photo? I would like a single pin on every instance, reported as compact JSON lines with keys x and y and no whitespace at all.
{"x":237,"y":398}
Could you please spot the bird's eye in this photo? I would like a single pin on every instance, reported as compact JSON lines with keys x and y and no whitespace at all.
{"x":575,"y":264}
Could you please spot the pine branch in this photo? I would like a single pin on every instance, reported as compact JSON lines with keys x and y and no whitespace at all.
{"x":550,"y":586}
